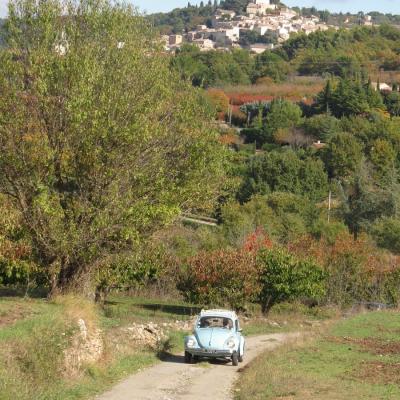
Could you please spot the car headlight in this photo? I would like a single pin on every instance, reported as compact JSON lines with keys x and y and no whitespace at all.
{"x":191,"y":342}
{"x":231,"y":343}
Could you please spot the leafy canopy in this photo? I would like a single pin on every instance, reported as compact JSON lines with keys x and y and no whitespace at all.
{"x":100,"y":144}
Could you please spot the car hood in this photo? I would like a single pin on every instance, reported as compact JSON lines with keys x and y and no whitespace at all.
{"x":213,"y":338}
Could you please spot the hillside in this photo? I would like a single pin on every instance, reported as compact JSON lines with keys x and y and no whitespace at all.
{"x":143,"y":179}
{"x":361,"y":51}
{"x":356,"y":358}
{"x":187,"y":18}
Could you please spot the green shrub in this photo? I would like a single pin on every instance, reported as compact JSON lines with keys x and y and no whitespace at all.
{"x":392,"y":287}
{"x":386,"y":232}
{"x":32,"y":355}
{"x":285,"y":278}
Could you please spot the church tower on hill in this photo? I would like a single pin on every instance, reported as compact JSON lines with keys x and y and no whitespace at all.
{"x":259,"y":7}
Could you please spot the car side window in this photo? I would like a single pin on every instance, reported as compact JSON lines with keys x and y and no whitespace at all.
{"x":237,"y":326}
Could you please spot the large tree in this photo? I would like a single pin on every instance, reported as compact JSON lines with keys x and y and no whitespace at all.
{"x":100,"y":144}
{"x":342,"y":156}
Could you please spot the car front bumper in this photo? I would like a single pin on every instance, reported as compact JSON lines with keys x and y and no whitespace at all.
{"x":210,"y":353}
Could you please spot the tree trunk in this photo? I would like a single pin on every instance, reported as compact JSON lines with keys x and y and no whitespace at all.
{"x":73,"y":279}
{"x":101,"y":294}
{"x":267,"y":305}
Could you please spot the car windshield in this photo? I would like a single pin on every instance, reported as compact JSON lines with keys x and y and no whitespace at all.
{"x":216,"y":322}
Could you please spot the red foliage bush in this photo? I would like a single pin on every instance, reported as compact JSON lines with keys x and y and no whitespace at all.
{"x":224,"y":277}
{"x":357,"y":270}
{"x":228,"y":139}
{"x":239,"y":118}
{"x":220,"y":278}
{"x":238,"y":99}
{"x":257,"y":240}
{"x":219,"y":100}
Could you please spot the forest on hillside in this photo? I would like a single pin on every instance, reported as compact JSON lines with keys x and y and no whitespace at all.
{"x":118,"y":181}
{"x":356,"y":53}
{"x":187,"y":18}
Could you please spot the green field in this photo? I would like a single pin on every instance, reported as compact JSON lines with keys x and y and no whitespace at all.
{"x":357,"y":358}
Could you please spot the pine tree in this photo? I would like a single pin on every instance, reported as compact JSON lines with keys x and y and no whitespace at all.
{"x":324,"y":99}
{"x":374,"y":98}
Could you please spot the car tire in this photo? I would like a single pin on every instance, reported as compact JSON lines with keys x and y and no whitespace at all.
{"x":235,"y":359}
{"x":188,"y":358}
{"x":241,"y":356}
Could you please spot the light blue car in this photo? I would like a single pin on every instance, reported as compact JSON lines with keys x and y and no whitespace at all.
{"x":217,"y":334}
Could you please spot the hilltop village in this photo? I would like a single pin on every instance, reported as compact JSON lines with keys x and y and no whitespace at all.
{"x":269,"y":22}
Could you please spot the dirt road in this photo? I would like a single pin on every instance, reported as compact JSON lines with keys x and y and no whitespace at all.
{"x":174,"y":380}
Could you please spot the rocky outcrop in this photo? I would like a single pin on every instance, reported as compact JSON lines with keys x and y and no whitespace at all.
{"x":150,"y":335}
{"x":86,"y":347}
{"x":145,"y":335}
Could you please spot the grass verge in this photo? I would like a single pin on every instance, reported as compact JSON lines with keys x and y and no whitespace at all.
{"x":356,"y":358}
{"x":35,"y":333}
{"x":34,"y":336}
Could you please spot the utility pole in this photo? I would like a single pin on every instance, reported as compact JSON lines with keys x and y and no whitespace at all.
{"x":329,"y":205}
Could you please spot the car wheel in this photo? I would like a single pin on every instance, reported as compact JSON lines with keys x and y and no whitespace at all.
{"x":235,"y":359}
{"x":241,"y":356}
{"x":188,"y":358}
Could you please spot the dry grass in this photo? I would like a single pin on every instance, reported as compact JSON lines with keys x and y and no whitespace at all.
{"x":378,"y":372}
{"x":389,"y":77}
{"x":32,"y":351}
{"x":11,"y":312}
{"x":76,"y":308}
{"x":296,"y":90}
{"x":360,"y":365}
{"x":371,"y":345}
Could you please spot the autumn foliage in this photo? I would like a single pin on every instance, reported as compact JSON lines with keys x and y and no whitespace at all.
{"x":258,"y":272}
{"x":225,"y":277}
{"x":342,"y":272}
{"x":238,"y":99}
{"x":219,"y":100}
{"x":357,"y":271}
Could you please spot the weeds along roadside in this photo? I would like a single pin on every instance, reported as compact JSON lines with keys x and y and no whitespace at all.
{"x":356,"y":357}
{"x":62,"y":350}
{"x":43,"y":352}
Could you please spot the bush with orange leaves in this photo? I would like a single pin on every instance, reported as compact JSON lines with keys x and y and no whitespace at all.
{"x":339,"y":272}
{"x":224,"y":277}
{"x":357,"y":271}
{"x":219,"y":100}
{"x":238,"y":99}
{"x":220,"y":278}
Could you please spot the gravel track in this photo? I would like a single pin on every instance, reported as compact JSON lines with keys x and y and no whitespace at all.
{"x":172,"y":379}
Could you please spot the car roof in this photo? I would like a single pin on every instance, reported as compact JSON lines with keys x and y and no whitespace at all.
{"x":218,"y":313}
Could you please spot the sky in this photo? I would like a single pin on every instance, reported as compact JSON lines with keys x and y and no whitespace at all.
{"x":387,"y":6}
